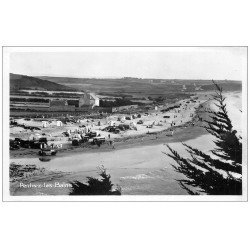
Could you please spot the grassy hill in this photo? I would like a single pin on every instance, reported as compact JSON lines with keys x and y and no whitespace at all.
{"x":19,"y":82}
{"x":117,"y":81}
{"x":141,"y":87}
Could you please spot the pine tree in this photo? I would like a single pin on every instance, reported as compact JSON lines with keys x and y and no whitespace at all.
{"x":95,"y":186}
{"x":221,"y":172}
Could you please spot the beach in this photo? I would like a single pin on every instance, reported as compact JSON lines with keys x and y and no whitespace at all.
{"x":137,"y":164}
{"x":154,"y":130}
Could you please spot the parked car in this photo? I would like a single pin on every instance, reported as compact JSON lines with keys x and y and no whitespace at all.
{"x":85,"y":138}
{"x":76,"y":142}
{"x":23,"y":143}
{"x":14,"y":145}
{"x":123,"y":127}
{"x":43,"y":139}
{"x":91,"y":134}
{"x":47,"y":151}
{"x":35,"y":144}
{"x":114,"y":129}
{"x":99,"y":139}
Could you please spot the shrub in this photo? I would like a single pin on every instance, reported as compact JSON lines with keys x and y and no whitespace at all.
{"x":95,"y":186}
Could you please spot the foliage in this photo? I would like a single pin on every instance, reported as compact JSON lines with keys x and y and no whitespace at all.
{"x":95,"y":186}
{"x":222,"y":173}
{"x":17,"y":171}
{"x":116,"y":103}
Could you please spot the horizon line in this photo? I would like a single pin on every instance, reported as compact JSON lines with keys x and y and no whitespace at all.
{"x":121,"y":77}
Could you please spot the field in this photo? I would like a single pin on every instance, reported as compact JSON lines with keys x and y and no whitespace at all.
{"x":141,"y":88}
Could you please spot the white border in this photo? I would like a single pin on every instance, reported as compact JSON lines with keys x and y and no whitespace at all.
{"x":122,"y":198}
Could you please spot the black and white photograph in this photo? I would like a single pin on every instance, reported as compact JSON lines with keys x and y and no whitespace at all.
{"x":125,"y":123}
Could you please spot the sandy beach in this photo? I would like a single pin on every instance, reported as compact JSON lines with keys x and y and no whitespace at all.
{"x":179,"y":120}
{"x":137,"y":164}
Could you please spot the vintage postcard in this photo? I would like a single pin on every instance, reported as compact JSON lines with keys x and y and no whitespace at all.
{"x":125,"y":123}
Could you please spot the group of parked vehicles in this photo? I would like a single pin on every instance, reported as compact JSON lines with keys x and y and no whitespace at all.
{"x":18,"y":143}
{"x":88,"y":137}
{"x":41,"y":144}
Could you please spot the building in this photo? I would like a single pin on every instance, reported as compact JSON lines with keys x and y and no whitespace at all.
{"x":58,"y":102}
{"x":60,"y":105}
{"x":89,"y":99}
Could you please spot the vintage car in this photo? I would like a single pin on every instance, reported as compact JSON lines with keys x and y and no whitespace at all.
{"x":112,"y":129}
{"x":98,"y":139}
{"x":78,"y":141}
{"x":91,"y":134}
{"x":47,"y":151}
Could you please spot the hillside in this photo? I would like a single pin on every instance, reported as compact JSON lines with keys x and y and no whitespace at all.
{"x":19,"y":82}
{"x":127,"y":80}
{"x":141,"y":87}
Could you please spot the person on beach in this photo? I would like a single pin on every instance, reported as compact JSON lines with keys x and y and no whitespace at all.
{"x":112,"y":144}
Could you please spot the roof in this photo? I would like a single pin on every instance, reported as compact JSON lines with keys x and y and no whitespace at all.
{"x":93,"y":96}
{"x":58,"y":103}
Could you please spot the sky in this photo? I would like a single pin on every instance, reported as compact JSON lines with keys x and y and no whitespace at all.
{"x":161,"y":62}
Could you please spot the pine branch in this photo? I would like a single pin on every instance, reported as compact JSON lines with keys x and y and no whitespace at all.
{"x":206,"y":172}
